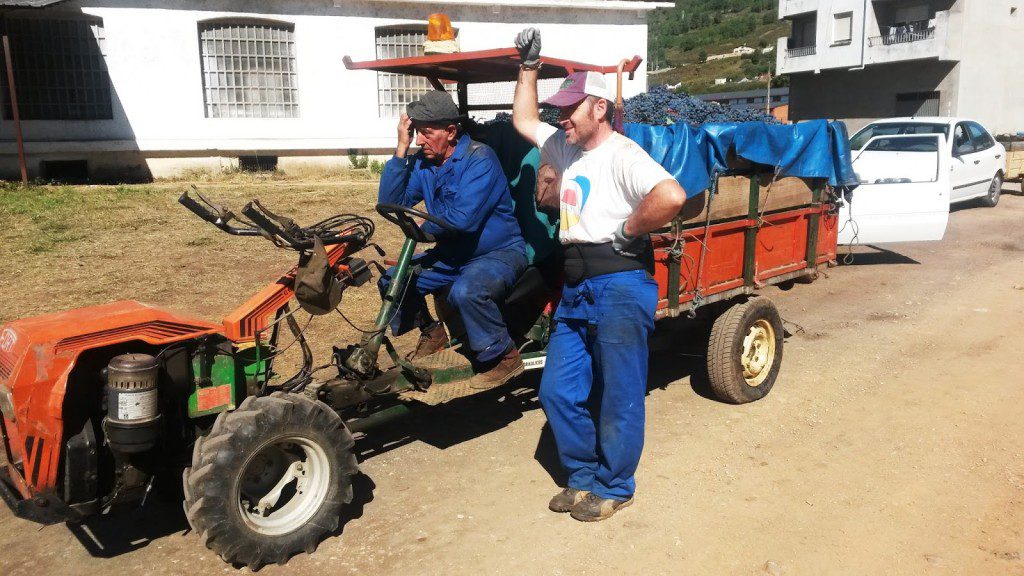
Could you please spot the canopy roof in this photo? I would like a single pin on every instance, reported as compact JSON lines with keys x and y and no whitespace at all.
{"x":497,"y":65}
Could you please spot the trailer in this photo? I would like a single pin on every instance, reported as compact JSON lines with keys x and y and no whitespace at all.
{"x":99,"y":403}
{"x":1014,"y":160}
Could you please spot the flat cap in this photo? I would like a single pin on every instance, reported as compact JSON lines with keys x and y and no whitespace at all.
{"x":434,"y":106}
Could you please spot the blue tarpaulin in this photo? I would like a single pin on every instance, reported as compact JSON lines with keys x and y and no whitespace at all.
{"x":815,"y":149}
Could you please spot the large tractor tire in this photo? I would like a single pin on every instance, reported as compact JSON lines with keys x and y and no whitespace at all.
{"x":745,"y":351}
{"x":270,"y":479}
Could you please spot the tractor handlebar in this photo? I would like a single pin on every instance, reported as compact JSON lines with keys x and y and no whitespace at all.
{"x":214,"y":214}
{"x":281,"y":230}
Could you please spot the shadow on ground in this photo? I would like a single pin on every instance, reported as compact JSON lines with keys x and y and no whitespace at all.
{"x":879,"y":256}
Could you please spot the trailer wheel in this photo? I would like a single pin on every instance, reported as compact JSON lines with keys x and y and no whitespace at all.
{"x":745,"y":351}
{"x":994,"y":190}
{"x":270,"y":479}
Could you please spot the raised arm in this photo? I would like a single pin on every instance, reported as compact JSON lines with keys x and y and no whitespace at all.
{"x":398,"y":183}
{"x":525,"y":113}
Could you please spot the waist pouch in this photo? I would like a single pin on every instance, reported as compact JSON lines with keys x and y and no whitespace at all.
{"x":584,"y":261}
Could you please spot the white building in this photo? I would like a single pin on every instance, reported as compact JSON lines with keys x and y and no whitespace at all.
{"x":140,"y":89}
{"x":858,"y":60}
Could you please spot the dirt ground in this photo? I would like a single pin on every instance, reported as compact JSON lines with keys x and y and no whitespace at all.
{"x":890,"y":444}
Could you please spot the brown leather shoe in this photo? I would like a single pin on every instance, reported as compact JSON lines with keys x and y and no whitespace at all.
{"x":510,"y":366}
{"x":432,"y":339}
{"x":593,"y":508}
{"x":566,"y":499}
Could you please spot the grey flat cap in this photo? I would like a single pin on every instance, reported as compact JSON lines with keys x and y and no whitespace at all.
{"x":434,"y":106}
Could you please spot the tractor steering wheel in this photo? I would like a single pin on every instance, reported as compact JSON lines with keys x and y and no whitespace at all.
{"x":402,"y":217}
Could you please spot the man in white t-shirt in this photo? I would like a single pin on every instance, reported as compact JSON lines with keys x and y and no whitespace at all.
{"x":612,"y":195}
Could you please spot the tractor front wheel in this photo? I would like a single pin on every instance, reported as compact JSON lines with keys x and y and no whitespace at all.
{"x":269,"y":480}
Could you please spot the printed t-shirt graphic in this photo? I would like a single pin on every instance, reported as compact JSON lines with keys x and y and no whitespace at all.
{"x":574,"y":197}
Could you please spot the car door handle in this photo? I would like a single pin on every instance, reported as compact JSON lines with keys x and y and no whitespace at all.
{"x":977,"y":161}
{"x":998,"y":156}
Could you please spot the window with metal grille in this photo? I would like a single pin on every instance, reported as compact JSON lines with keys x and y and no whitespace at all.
{"x":248,"y":69}
{"x":59,"y":71}
{"x":395,"y":91}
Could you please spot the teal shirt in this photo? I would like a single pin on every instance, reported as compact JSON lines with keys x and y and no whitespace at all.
{"x":521,"y":161}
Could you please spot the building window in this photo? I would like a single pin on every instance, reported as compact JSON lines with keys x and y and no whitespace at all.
{"x":248,"y":69}
{"x":842,"y":29}
{"x":59,"y":71}
{"x":395,"y":91}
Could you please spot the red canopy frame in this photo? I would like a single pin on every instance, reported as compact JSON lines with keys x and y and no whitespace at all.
{"x":481,"y":66}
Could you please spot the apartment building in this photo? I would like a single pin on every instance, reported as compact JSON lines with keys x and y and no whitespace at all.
{"x":119,"y":89}
{"x":859,"y":60}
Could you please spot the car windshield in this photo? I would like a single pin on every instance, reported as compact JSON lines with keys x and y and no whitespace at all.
{"x":895,"y":128}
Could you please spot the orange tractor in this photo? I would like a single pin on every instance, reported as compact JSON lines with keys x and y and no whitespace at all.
{"x":100,"y":404}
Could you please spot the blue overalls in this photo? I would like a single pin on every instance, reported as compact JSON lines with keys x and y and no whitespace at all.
{"x":481,"y":261}
{"x":595,"y":380}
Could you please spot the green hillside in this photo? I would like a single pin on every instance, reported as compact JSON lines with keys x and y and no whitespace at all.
{"x":683,"y":36}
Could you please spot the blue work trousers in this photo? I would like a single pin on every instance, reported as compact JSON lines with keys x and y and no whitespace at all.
{"x":478,"y":288}
{"x":595,"y":380}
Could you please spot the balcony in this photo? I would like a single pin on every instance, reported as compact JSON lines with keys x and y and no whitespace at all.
{"x":801,"y":51}
{"x":904,"y":33}
{"x":926,"y":39}
{"x":789,"y":8}
{"x":797,"y":59}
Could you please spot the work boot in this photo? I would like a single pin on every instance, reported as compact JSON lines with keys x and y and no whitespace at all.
{"x":510,"y":366}
{"x":566,"y":499}
{"x":432,"y":338}
{"x":593,"y":508}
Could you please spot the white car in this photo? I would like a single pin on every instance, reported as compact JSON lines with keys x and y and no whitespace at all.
{"x":977,"y":162}
{"x":910,"y":171}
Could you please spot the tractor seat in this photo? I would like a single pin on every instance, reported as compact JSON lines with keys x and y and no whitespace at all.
{"x":530,"y":287}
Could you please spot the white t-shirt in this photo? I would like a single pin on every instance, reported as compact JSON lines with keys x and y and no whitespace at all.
{"x":600,"y":187}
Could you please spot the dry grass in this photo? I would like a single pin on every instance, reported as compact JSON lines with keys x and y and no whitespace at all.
{"x":64,"y":247}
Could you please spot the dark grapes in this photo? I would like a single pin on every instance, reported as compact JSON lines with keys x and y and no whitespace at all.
{"x":660,"y":106}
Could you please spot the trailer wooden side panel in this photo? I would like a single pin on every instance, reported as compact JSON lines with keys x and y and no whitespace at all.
{"x":701,"y":264}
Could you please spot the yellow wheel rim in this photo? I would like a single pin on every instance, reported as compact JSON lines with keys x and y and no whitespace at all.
{"x":758,"y":352}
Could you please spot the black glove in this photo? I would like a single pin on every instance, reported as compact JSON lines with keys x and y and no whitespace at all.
{"x":528,"y":44}
{"x":628,"y":246}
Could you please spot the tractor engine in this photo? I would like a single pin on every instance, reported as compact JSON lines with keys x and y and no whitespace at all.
{"x":101,"y":405}
{"x":132,"y":423}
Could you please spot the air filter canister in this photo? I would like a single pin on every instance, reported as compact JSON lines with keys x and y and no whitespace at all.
{"x":133,"y":418}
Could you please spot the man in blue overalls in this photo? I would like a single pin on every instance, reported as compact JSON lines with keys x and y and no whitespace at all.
{"x":461,"y":182}
{"x":612,"y":195}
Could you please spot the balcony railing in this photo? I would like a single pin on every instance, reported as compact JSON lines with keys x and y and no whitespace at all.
{"x":800,"y":51}
{"x":904,"y":33}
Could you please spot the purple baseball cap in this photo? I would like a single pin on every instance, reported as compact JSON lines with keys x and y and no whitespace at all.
{"x":578,"y":86}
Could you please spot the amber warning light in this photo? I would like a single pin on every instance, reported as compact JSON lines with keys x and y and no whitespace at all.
{"x":439,"y":27}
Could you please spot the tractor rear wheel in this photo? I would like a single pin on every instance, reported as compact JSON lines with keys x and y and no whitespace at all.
{"x":270,"y":479}
{"x":745,"y":351}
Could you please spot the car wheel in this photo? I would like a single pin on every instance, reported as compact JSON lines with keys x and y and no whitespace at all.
{"x":994,"y":190}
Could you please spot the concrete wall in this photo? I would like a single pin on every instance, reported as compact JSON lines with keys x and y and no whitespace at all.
{"x":991,"y":88}
{"x":858,"y":97}
{"x":152,"y":54}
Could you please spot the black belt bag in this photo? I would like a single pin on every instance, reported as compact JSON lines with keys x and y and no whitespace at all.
{"x":583,"y":261}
